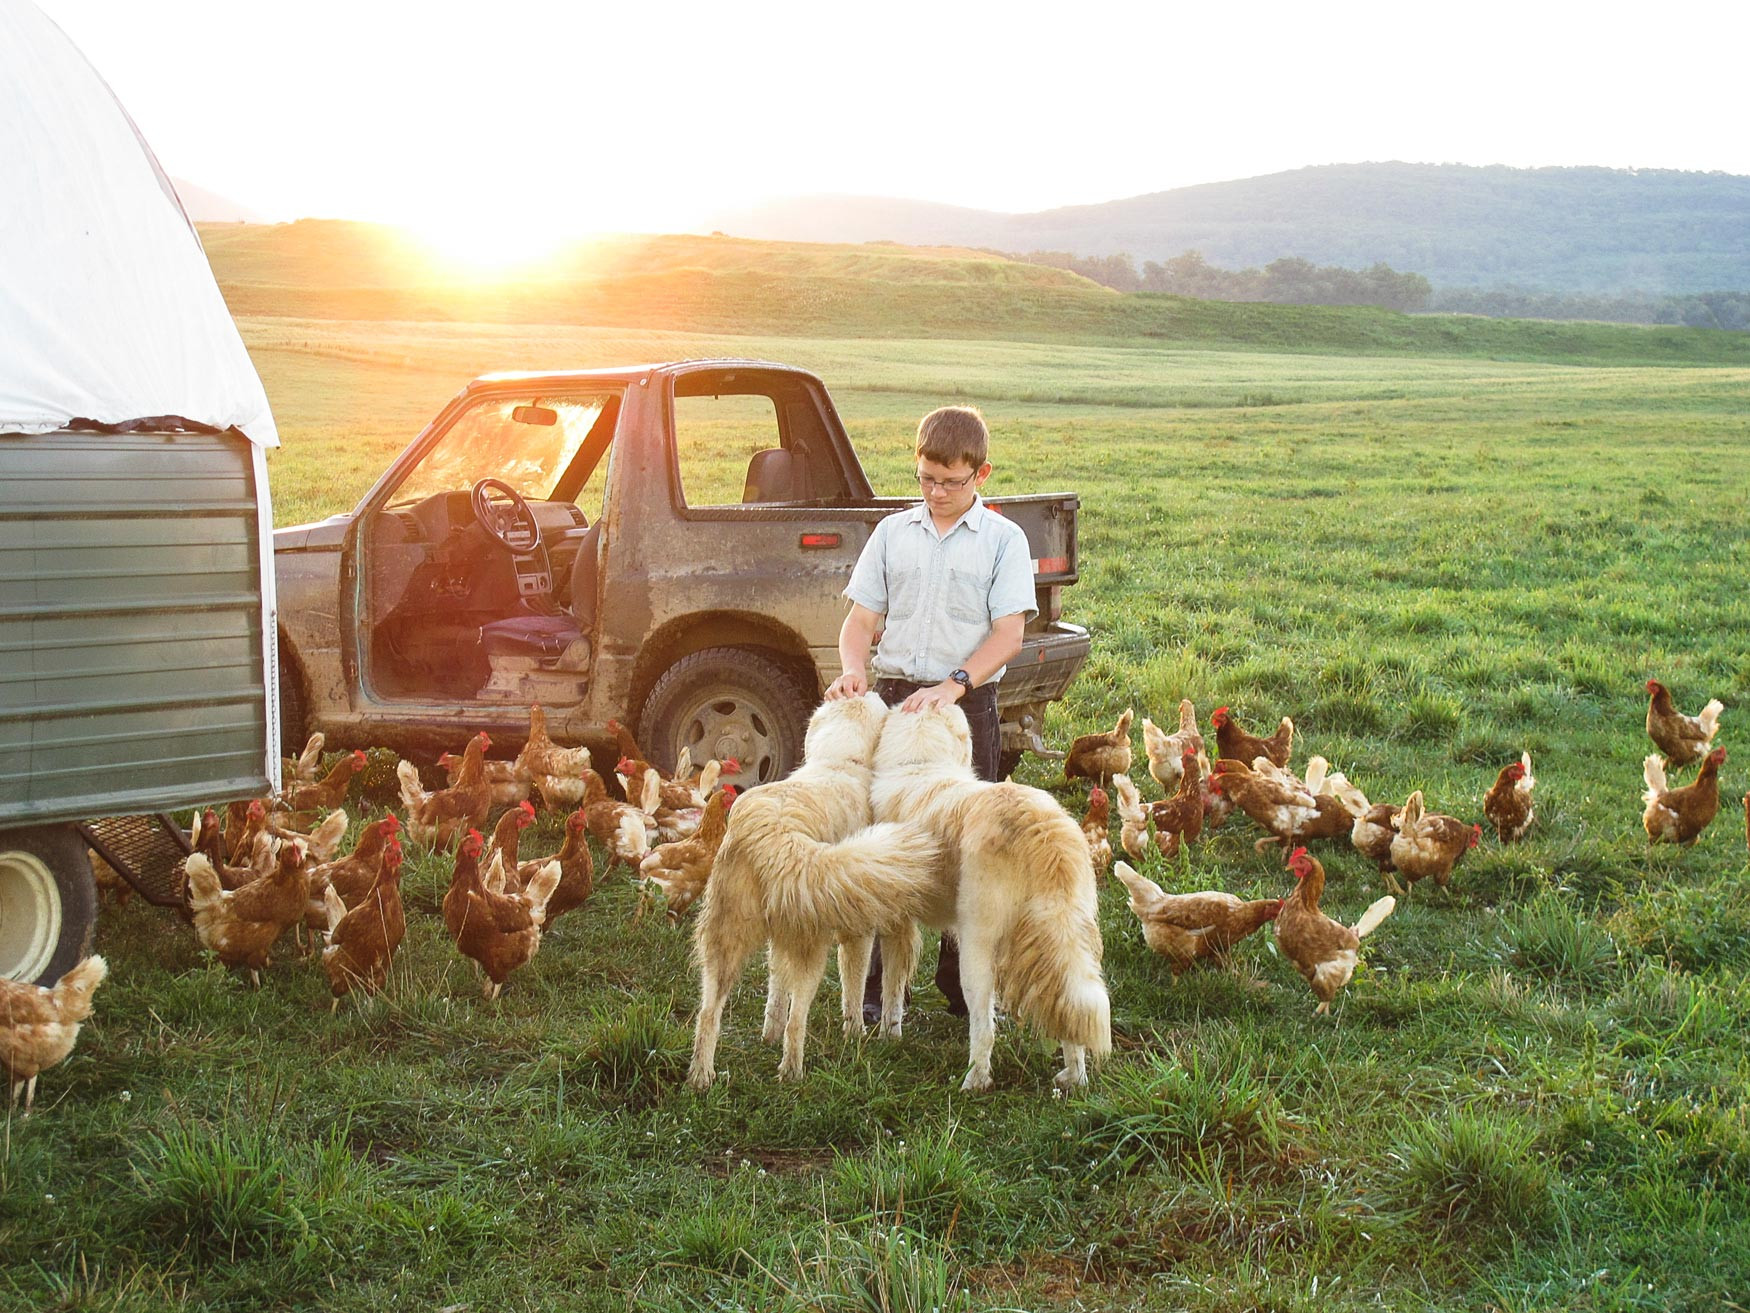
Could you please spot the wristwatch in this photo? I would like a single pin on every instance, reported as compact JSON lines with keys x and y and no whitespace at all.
{"x":963,"y":679}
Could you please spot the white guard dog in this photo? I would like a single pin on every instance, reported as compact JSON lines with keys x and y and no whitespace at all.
{"x":1014,"y":884}
{"x":802,"y":868}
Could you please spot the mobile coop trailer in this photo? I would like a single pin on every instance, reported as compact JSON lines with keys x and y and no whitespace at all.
{"x":137,"y":657}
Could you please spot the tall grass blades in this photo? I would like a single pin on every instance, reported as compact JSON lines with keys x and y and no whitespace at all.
{"x":1473,"y":1175}
{"x":1548,"y":938}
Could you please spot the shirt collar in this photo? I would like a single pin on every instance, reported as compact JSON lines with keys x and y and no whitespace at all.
{"x":973,"y":519}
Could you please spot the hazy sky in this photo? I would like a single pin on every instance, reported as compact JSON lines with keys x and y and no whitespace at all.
{"x":588,"y":116}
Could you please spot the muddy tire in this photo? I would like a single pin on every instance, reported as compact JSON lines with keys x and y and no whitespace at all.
{"x":728,"y":702}
{"x":48,"y":903}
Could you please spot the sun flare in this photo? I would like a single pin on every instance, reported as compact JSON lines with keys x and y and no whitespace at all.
{"x":489,"y":242}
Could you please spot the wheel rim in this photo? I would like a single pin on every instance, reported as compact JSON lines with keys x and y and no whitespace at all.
{"x":725,"y":722}
{"x":30,"y":915}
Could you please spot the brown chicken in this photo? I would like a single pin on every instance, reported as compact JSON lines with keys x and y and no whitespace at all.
{"x":352,"y":876}
{"x":328,"y":792}
{"x":1185,"y":927}
{"x":1373,"y":832}
{"x":1217,"y":806}
{"x":1680,"y":815}
{"x":620,"y":827}
{"x":500,"y":931}
{"x":576,"y":869}
{"x":242,"y":925}
{"x":436,"y":819}
{"x":1428,"y":844}
{"x":681,"y":869}
{"x":1133,"y":818}
{"x":1235,"y":744}
{"x":557,"y":773}
{"x":510,"y":784}
{"x":507,"y":834}
{"x":244,"y":824}
{"x":1098,"y":757}
{"x":1507,"y":805}
{"x":1323,"y":951}
{"x":1340,"y":803}
{"x":362,"y":940}
{"x":38,"y":1026}
{"x":302,"y":769}
{"x":1179,"y":819}
{"x":206,"y":840}
{"x":1274,"y":799}
{"x":1097,"y":828}
{"x":1683,"y":739}
{"x":1166,"y":751}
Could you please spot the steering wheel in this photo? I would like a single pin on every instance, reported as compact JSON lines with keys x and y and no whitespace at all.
{"x":501,"y":510}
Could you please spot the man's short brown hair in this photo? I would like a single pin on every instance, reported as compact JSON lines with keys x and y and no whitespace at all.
{"x":951,"y":434}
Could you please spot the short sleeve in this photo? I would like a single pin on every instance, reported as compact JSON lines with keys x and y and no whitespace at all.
{"x":868,"y":586}
{"x":1011,"y":587}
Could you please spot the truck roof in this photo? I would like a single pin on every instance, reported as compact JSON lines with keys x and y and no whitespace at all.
{"x":630,"y":373}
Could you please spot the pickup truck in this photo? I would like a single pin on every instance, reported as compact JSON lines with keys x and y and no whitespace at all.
{"x":665,"y":545}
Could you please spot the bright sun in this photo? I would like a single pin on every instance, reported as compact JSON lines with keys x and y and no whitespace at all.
{"x":482,"y":242}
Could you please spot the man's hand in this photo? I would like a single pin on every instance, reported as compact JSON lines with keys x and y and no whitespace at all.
{"x":851,"y":684}
{"x":945,"y":694}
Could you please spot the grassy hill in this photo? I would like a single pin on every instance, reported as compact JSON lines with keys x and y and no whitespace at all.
{"x":320,"y":269}
{"x":1549,"y":229}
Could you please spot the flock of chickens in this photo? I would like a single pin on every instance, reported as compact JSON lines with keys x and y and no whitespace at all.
{"x":1252,"y":774}
{"x":274,"y":865}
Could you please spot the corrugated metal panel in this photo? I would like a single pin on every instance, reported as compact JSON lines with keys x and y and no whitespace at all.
{"x":131,"y":661}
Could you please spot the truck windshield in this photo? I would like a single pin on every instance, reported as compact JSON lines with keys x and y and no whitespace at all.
{"x":526,"y":441}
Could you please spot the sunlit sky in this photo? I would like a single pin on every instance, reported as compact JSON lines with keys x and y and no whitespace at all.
{"x":587,"y":117}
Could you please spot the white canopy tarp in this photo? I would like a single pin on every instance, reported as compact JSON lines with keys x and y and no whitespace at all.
{"x":108,"y":309}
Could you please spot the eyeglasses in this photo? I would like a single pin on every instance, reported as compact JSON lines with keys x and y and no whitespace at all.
{"x":946,"y":485}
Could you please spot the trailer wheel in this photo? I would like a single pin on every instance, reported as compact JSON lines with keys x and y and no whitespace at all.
{"x":728,"y":702}
{"x":48,"y":903}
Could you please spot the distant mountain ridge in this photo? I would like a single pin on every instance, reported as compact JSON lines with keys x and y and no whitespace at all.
{"x":1567,"y":229}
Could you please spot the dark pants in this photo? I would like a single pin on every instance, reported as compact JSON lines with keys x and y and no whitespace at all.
{"x":980,"y":706}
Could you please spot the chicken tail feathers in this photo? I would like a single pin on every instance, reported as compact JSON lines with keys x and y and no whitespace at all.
{"x":1653,"y":772}
{"x":540,"y":888}
{"x":407,"y":775}
{"x":1371,"y":918}
{"x":1710,"y":717}
{"x":204,"y":887}
{"x":73,"y":991}
{"x":1144,"y":892}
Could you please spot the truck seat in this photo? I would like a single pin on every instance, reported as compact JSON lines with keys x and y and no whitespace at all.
{"x":583,"y":572}
{"x":541,"y":638}
{"x":771,"y":476}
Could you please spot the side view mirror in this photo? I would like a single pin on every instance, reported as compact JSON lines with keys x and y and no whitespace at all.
{"x":542,"y":415}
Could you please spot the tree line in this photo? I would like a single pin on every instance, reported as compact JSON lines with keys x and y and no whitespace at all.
{"x":1294,"y":281}
{"x":1287,"y":281}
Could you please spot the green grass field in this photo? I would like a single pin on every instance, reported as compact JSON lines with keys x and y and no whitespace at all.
{"x":1534,"y":1094}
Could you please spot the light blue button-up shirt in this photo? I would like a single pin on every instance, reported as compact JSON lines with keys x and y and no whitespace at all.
{"x":940,"y":592}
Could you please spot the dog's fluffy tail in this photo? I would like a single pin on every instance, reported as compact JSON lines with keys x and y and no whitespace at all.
{"x":875,"y":879}
{"x":1049,"y":969}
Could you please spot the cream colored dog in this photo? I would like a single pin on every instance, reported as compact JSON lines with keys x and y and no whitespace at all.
{"x":801,"y":868}
{"x":1013,"y":884}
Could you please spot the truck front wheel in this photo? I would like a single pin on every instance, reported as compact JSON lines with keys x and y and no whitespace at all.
{"x":727,"y":702}
{"x":48,"y":903}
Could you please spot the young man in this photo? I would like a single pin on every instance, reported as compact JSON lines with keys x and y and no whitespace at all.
{"x":946,"y":587}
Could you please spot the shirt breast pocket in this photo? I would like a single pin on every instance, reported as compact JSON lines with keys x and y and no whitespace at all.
{"x":905,"y":589}
{"x":968,"y":599}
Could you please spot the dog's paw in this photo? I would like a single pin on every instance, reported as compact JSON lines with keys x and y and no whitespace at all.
{"x":700,"y":1078}
{"x":789,"y":1072}
{"x":976,"y":1082}
{"x":891,"y":1029}
{"x":1070,"y":1079}
{"x":773,"y":1032}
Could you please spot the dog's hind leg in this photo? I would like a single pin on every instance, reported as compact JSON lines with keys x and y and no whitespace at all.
{"x":1075,"y":1068}
{"x":978,"y":982}
{"x":800,"y":968}
{"x":720,"y":967}
{"x":854,"y":954}
{"x":777,"y":1003}
{"x":900,"y":951}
